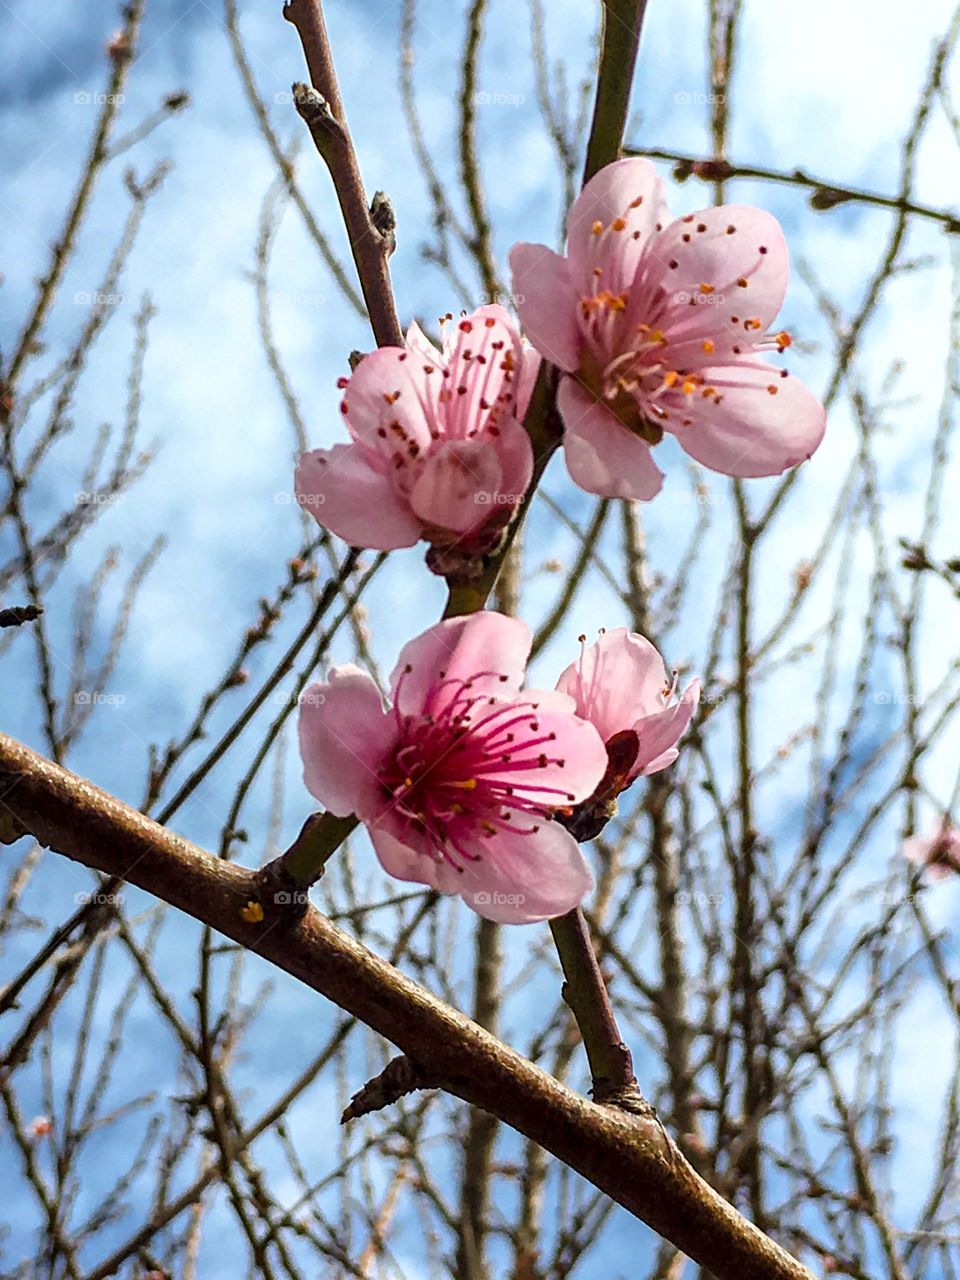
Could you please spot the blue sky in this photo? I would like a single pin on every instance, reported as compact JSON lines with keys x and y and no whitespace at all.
{"x":825,"y":87}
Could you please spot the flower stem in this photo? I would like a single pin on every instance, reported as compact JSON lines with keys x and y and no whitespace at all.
{"x":286,"y":879}
{"x":584,"y":990}
{"x":622,"y":20}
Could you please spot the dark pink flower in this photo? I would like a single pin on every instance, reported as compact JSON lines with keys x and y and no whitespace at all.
{"x":659,"y":325}
{"x":938,"y":854}
{"x":620,"y":685}
{"x":459,"y":780}
{"x":439,"y":451}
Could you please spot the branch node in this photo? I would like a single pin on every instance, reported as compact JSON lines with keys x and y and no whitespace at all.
{"x":399,"y":1077}
{"x":314,"y":110}
{"x":383,"y":217}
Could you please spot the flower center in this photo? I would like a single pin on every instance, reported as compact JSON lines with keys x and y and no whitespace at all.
{"x":648,"y":349}
{"x":466,"y":768}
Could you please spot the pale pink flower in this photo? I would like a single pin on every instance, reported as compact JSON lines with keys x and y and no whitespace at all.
{"x":658,"y":325}
{"x":459,"y":780}
{"x":620,"y":685}
{"x":439,"y":451}
{"x":938,"y":854}
{"x":40,"y":1127}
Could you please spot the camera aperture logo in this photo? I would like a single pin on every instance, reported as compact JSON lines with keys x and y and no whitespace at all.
{"x":485,"y":899}
{"x":98,"y":899}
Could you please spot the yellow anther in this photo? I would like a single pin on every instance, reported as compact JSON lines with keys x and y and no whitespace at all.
{"x":707,"y":346}
{"x":252,"y":912}
{"x":671,"y":379}
{"x":597,"y":228}
{"x":705,"y":288}
{"x":618,"y":224}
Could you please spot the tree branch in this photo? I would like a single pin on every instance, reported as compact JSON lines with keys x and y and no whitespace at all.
{"x":322,"y":110}
{"x":627,"y":1156}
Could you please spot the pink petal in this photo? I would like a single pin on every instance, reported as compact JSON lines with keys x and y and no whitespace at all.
{"x":753,"y":431}
{"x":404,"y":862}
{"x":345,"y":490}
{"x":484,"y":362}
{"x":390,"y":392}
{"x":527,"y":380}
{"x":745,"y":272}
{"x":602,"y":456}
{"x":481,"y":647}
{"x":345,"y":734}
{"x":617,"y":681}
{"x":517,"y":879}
{"x":516,"y":460}
{"x":458,"y":486}
{"x":938,"y":854}
{"x":595,"y":238}
{"x":524,"y":878}
{"x":546,"y":302}
{"x":660,"y":732}
{"x":419,"y":344}
{"x":570,"y":763}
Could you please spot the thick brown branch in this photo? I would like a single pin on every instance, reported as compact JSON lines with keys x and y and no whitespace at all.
{"x":626,"y":1156}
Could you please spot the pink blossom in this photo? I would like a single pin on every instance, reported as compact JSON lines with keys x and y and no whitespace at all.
{"x":458,"y":781}
{"x":620,"y":685}
{"x":938,"y":854}
{"x":439,"y":451}
{"x":659,"y":325}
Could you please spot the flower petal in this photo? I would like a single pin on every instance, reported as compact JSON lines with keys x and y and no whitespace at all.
{"x":764,"y":423}
{"x":483,"y":647}
{"x":627,"y":192}
{"x":516,"y":461}
{"x":602,"y":456}
{"x":617,"y":681}
{"x":546,"y":302}
{"x":484,"y":365}
{"x":520,"y":879}
{"x":659,"y":733}
{"x":405,"y":862}
{"x":345,"y":491}
{"x":390,"y":400}
{"x":418,"y":343}
{"x":344,"y":736}
{"x":528,"y":378}
{"x":717,"y":279}
{"x":564,"y":762}
{"x":458,"y":486}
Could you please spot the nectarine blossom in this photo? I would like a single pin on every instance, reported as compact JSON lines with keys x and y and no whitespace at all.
{"x":620,"y":685}
{"x":659,"y":325}
{"x":439,"y":451}
{"x":937,"y":854}
{"x":458,"y":782}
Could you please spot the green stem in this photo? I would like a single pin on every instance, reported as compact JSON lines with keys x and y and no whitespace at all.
{"x":619,"y":43}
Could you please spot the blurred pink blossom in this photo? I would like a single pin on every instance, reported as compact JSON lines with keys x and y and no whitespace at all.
{"x":938,"y":854}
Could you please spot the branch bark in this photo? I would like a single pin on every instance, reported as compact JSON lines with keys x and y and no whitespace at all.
{"x":323,"y":112}
{"x":628,"y":1157}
